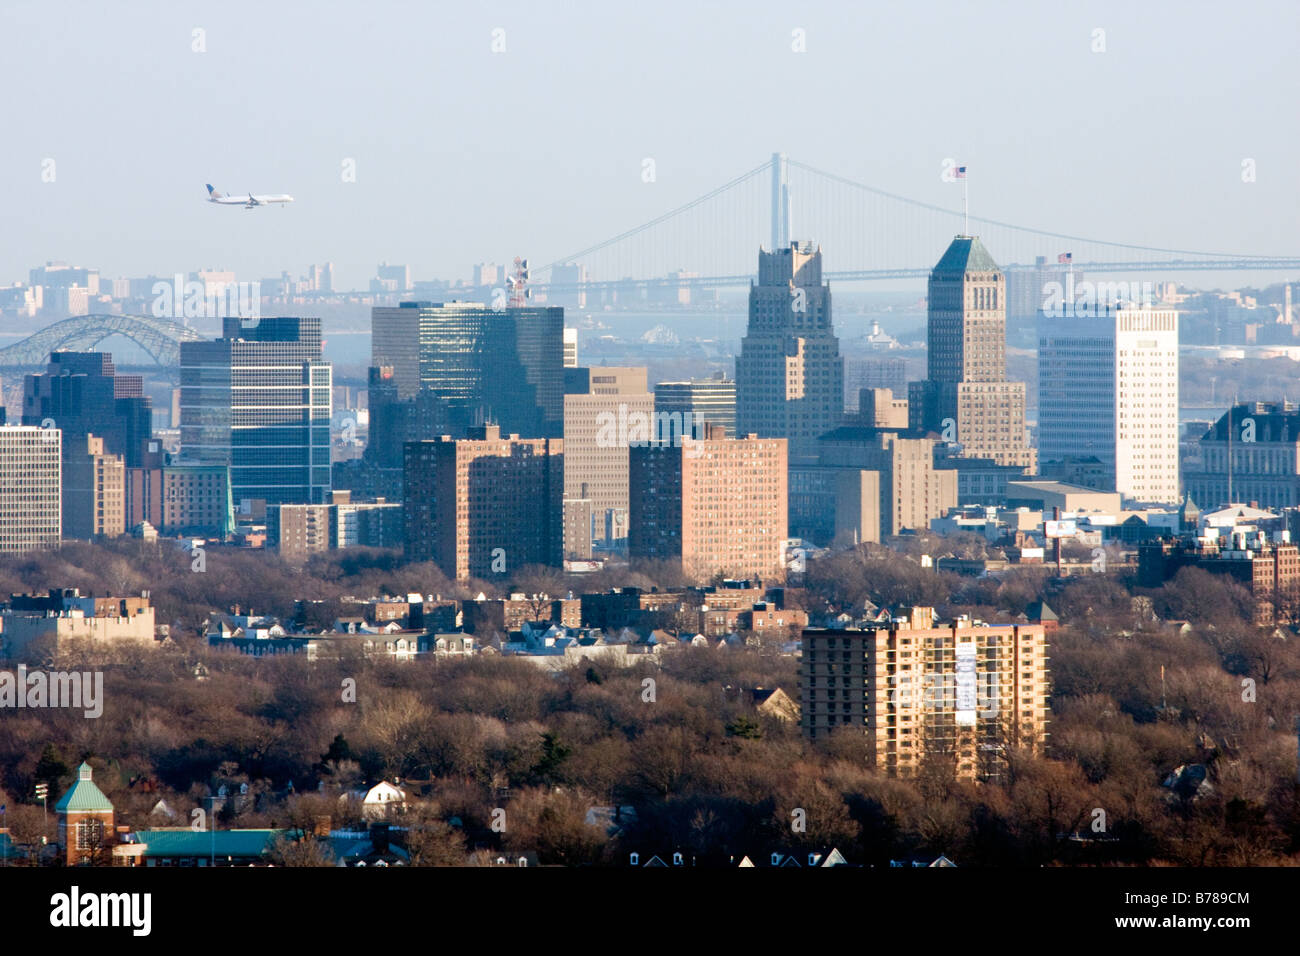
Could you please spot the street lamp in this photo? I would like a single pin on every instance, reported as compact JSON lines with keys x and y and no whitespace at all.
{"x":43,"y":794}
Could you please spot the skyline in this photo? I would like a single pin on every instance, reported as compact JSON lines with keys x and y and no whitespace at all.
{"x":496,"y":178}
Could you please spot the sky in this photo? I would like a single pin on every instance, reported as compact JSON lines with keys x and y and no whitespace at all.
{"x":118,"y":113}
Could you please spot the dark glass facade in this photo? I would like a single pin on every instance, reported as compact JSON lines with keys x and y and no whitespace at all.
{"x":258,"y":399}
{"x":481,"y":365}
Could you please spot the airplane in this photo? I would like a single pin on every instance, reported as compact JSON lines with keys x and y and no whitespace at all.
{"x":248,"y":202}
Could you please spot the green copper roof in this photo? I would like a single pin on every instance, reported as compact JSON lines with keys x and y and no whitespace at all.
{"x":196,"y":843}
{"x":83,"y":796}
{"x":966,"y":254}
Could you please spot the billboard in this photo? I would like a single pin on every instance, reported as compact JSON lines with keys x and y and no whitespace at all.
{"x":966,"y":696}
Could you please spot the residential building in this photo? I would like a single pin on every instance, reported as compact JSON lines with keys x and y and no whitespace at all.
{"x":957,"y":696}
{"x":717,"y":505}
{"x":181,"y":499}
{"x":507,"y":615}
{"x":1267,"y":566}
{"x":484,"y":506}
{"x":878,"y":408}
{"x":94,"y":492}
{"x":789,"y":374}
{"x":33,"y":625}
{"x":299,"y":531}
{"x":31,"y":482}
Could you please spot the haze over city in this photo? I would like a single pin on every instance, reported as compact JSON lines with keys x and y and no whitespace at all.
{"x":463,"y":154}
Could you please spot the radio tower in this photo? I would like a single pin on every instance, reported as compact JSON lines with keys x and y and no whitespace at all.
{"x":518,"y":283}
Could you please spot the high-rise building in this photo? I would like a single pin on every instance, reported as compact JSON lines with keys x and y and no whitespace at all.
{"x":321,"y":278}
{"x":966,"y":398}
{"x":606,"y":410}
{"x":82,"y":393}
{"x":1108,"y":389}
{"x":1027,"y":291}
{"x":868,"y":484}
{"x":958,"y":697}
{"x":31,"y":482}
{"x":258,"y":400}
{"x":707,"y":401}
{"x":391,"y":278}
{"x":484,"y":506}
{"x":484,"y":365}
{"x":106,"y":422}
{"x":860,"y":373}
{"x":181,"y":499}
{"x":789,"y":374}
{"x":94,"y":492}
{"x":570,"y":348}
{"x":715,"y":504}
{"x":579,"y":518}
{"x":299,"y":531}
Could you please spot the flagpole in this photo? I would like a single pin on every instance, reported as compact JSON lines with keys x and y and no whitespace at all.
{"x":965,"y":204}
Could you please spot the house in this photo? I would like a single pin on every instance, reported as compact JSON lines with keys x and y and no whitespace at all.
{"x":775,"y":702}
{"x":1038,"y":612}
{"x":373,"y":847}
{"x":382,"y":799}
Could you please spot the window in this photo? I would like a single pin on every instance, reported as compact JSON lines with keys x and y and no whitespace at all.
{"x":89,"y":834}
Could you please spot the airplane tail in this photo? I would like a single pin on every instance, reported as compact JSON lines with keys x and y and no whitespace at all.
{"x":212,"y":193}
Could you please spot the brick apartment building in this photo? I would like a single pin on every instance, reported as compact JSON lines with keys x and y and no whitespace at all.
{"x":484,"y":506}
{"x":718,"y":505}
{"x":1268,"y":569}
{"x":960,"y":693}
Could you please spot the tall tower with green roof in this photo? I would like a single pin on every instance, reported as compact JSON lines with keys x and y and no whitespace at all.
{"x":85,"y":819}
{"x":966,"y":398}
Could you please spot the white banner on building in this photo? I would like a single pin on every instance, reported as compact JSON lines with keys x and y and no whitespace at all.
{"x":966,"y":695}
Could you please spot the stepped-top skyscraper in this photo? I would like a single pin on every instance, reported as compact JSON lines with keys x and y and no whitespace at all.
{"x":966,"y":398}
{"x":789,"y":374}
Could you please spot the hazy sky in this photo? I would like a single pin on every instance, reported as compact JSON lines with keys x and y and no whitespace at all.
{"x":463,"y":154}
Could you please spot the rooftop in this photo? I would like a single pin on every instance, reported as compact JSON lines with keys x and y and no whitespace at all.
{"x":965,"y":254}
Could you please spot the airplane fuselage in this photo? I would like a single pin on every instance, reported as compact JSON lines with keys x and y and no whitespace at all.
{"x":249,"y":201}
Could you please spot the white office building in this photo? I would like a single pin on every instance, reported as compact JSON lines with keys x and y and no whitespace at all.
{"x":1108,"y":389}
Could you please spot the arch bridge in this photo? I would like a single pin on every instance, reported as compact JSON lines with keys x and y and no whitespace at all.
{"x":161,"y":338}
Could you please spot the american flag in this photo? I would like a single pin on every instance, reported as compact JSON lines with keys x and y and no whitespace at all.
{"x":959,"y":173}
{"x":1065,"y":257}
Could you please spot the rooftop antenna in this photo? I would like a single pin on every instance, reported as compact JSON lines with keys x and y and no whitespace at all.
{"x":518,"y":283}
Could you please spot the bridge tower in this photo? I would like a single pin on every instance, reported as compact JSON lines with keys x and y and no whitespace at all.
{"x":780,"y":202}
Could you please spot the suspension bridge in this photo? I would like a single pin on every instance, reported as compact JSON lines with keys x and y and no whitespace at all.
{"x":867,"y":233}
